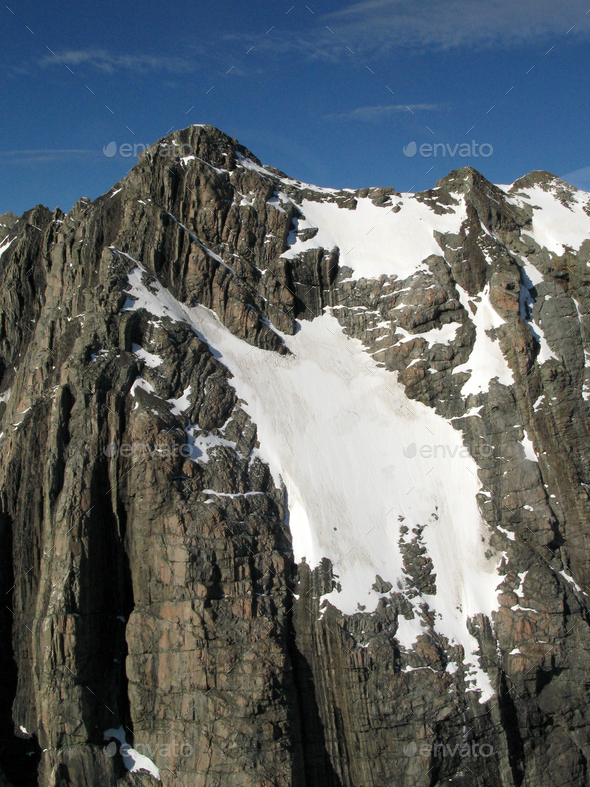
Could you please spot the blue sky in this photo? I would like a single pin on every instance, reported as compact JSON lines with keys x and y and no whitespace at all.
{"x":330,"y":93}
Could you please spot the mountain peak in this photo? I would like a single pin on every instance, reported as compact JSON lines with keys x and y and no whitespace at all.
{"x":284,"y":482}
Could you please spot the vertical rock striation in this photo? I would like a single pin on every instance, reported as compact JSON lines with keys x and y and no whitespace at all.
{"x":152,"y":591}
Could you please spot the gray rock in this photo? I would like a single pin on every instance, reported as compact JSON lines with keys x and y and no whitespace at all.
{"x":148,"y":591}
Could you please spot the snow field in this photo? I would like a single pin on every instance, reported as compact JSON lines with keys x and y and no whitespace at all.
{"x":332,"y":427}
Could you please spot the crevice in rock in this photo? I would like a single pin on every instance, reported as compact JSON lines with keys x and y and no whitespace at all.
{"x":514,"y":742}
{"x":319,"y":771}
{"x":19,"y":756}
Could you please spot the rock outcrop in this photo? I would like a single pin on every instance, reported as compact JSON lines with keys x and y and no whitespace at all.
{"x":157,"y":625}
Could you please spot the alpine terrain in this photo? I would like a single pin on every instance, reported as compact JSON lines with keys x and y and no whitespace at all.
{"x":295,"y":481}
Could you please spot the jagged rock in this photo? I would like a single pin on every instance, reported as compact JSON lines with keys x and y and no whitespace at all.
{"x":145,"y":554}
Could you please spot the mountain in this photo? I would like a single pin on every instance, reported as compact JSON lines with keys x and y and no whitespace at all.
{"x":295,"y":481}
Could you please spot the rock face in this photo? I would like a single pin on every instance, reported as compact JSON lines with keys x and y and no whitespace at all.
{"x":158,"y":624}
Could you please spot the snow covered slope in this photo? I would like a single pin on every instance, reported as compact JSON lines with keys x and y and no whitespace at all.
{"x":357,"y":458}
{"x":559,"y":220}
{"x":376,"y":240}
{"x":231,"y":372}
{"x":361,"y":463}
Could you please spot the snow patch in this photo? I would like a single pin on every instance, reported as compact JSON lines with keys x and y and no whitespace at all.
{"x":556,"y":226}
{"x":486,"y":361}
{"x":5,"y":244}
{"x":182,"y":403}
{"x":231,"y":495}
{"x":529,"y":278}
{"x":507,"y":533}
{"x":375,"y":241}
{"x":529,"y":450}
{"x":151,"y":360}
{"x":141,"y":383}
{"x":444,"y":334}
{"x":570,"y":580}
{"x":132,"y":759}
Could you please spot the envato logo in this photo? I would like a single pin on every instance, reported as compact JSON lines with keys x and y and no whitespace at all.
{"x":464,"y":150}
{"x":448,"y":452}
{"x":136,"y":450}
{"x":127,"y":150}
{"x":466,"y":749}
{"x":160,"y":750}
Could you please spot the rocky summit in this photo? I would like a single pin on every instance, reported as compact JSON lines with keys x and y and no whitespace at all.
{"x":295,"y":481}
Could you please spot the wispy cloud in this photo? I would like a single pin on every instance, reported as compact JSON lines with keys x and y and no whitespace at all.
{"x":315,"y":45}
{"x":368,"y":27}
{"x":373,"y":114}
{"x":391,"y":24}
{"x":32,"y":157}
{"x":383,"y":27}
{"x":109,"y":62}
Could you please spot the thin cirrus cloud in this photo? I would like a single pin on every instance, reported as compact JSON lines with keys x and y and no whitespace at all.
{"x":390,"y":24}
{"x":34,"y":157}
{"x":381,"y":27}
{"x":109,"y":62}
{"x":373,"y":114}
{"x":369,"y":27}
